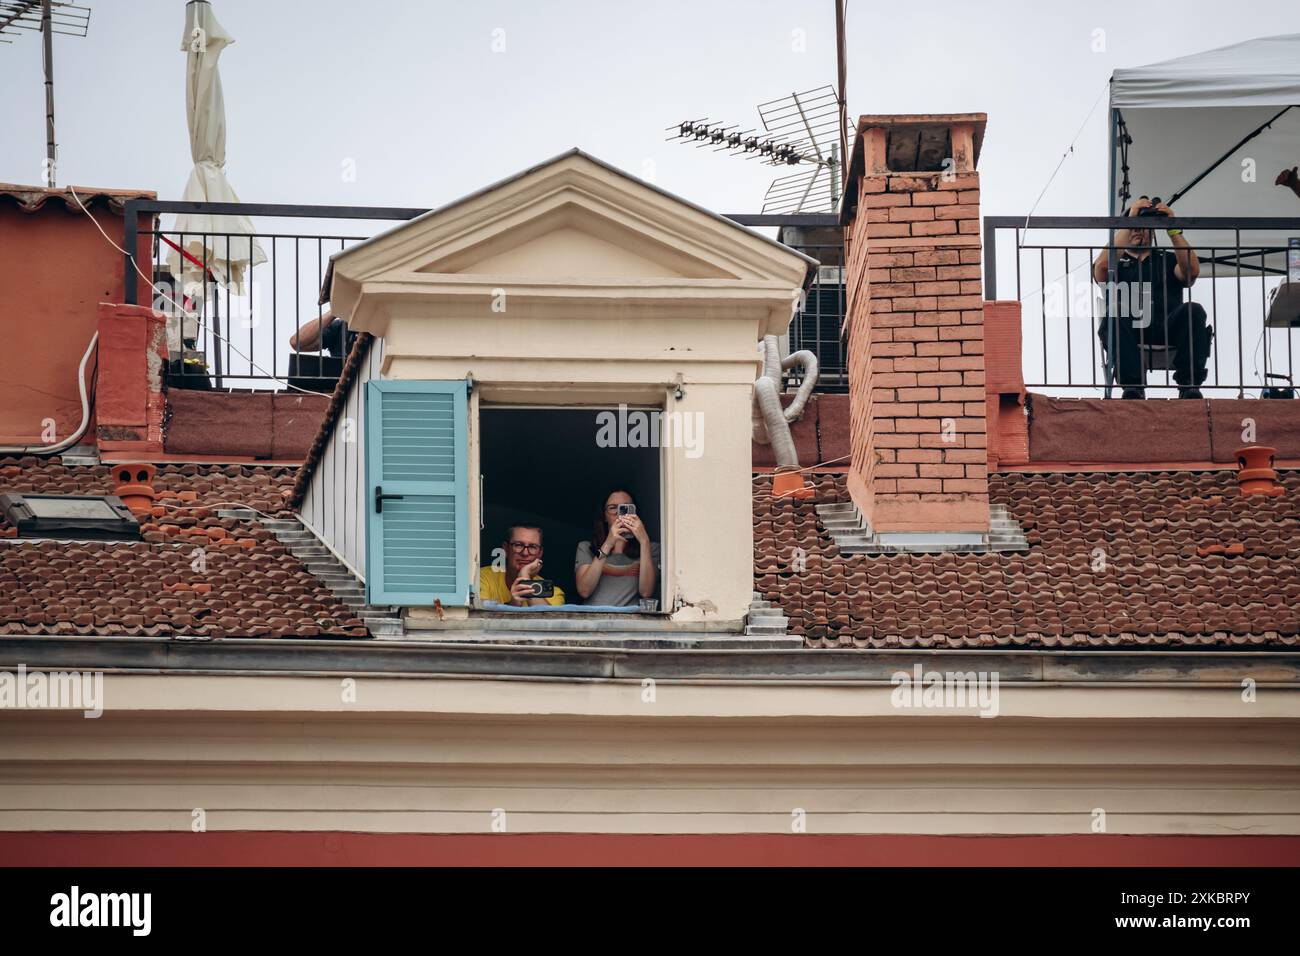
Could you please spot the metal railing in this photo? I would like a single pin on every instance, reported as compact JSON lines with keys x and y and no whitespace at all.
{"x":817,"y":325}
{"x":236,"y":335}
{"x":1067,"y":341}
{"x":224,"y":334}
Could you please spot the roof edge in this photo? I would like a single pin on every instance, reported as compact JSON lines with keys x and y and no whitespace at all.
{"x":809,"y":262}
{"x":33,"y":198}
{"x":360,"y":348}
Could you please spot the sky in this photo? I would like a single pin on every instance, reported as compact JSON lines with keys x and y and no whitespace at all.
{"x":427,"y":101}
{"x":414,"y":103}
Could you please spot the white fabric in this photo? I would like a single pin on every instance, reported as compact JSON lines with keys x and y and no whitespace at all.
{"x":1260,"y":72}
{"x":205,"y":109}
{"x":1184,"y":114}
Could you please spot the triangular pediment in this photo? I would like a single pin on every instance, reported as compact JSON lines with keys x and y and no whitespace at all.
{"x":575,"y":240}
{"x":572,"y":220}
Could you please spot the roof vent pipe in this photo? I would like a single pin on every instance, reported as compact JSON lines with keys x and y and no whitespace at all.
{"x":771,"y":422}
{"x":135,"y":486}
{"x":1255,"y":472}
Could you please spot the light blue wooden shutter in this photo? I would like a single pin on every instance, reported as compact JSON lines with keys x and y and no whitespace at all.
{"x":417,"y":454}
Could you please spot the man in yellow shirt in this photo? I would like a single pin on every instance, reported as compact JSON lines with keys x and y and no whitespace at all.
{"x":523,"y":547}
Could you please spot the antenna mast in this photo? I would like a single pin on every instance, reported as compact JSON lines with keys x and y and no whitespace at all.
{"x":799,"y":129}
{"x":49,"y":17}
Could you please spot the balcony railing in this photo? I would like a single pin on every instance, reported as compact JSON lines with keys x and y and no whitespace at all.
{"x":819,"y":321}
{"x":816,"y":326}
{"x":1047,"y":264}
{"x":227,"y":335}
{"x":236,"y":335}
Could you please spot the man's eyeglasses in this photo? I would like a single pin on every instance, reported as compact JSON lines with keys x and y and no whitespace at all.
{"x":525,"y":547}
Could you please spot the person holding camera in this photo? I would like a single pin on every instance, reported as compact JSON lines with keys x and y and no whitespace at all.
{"x":518,"y":583}
{"x":619,"y":565}
{"x":1148,"y":306}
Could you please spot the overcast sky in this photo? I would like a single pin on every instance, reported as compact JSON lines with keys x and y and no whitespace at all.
{"x":414,"y":95}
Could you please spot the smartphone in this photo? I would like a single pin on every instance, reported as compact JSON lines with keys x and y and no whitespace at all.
{"x":627,"y":509}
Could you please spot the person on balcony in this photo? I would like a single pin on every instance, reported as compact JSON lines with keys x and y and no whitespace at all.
{"x":1148,"y":307}
{"x":1290,"y":178}
{"x":619,"y":565}
{"x":326,"y":332}
{"x":523,"y":566}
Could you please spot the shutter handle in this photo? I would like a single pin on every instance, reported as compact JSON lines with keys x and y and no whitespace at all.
{"x":380,"y":496}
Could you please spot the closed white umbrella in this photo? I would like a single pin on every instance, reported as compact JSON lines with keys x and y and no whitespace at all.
{"x":205,"y":107}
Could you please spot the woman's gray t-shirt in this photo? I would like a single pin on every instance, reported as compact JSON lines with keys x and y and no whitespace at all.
{"x":619,"y":585}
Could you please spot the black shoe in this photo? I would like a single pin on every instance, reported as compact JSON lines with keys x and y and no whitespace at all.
{"x":1189,"y":391}
{"x":1133,"y":393}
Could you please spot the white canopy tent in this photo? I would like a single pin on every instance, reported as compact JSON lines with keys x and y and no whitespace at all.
{"x":214,"y":241}
{"x":1230,"y":117}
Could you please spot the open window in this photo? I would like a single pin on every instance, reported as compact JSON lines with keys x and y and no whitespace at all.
{"x":553,"y":467}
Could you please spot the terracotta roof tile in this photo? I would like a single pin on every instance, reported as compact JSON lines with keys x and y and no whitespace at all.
{"x":33,"y":198}
{"x":1115,"y":560}
{"x":248,"y":584}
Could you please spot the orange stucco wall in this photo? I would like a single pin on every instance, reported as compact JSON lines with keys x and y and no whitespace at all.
{"x":55,"y":269}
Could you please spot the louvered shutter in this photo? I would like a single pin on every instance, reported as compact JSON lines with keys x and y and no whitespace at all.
{"x":417,"y":528}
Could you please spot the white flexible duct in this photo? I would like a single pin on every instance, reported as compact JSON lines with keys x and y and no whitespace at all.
{"x":771,"y":422}
{"x":794,"y":411}
{"x":85,"y":416}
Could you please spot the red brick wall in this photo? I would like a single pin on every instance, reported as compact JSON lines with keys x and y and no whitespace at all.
{"x":1008,"y":427}
{"x":916,"y":352}
{"x":55,"y":268}
{"x":130,"y":385}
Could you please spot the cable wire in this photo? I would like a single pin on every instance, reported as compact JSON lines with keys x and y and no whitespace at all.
{"x":180,"y":307}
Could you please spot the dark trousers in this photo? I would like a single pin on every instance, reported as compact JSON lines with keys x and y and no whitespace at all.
{"x":1185,"y":329}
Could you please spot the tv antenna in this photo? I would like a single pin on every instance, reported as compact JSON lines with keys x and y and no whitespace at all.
{"x":802,"y":129}
{"x":49,"y":17}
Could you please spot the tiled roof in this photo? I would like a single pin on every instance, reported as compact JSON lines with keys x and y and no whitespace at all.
{"x":249,"y":585}
{"x":33,"y":198}
{"x":1115,"y":560}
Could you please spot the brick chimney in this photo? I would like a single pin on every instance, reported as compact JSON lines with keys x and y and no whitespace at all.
{"x":915,"y":325}
{"x":130,"y":390}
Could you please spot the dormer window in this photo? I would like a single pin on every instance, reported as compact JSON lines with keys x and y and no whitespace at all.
{"x":526,"y":352}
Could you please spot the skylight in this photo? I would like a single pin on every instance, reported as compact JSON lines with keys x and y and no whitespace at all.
{"x":69,"y":516}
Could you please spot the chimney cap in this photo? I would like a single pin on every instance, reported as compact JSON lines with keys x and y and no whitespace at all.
{"x":915,"y":128}
{"x":870,"y":120}
{"x":910,"y":134}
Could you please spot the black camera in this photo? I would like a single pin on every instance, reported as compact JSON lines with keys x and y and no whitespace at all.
{"x":540,"y":588}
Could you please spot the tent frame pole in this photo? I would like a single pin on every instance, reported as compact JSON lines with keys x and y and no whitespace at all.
{"x":1112,"y":265}
{"x":1222,"y":159}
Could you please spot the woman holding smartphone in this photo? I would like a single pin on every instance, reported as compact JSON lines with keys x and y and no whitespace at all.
{"x":619,"y":565}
